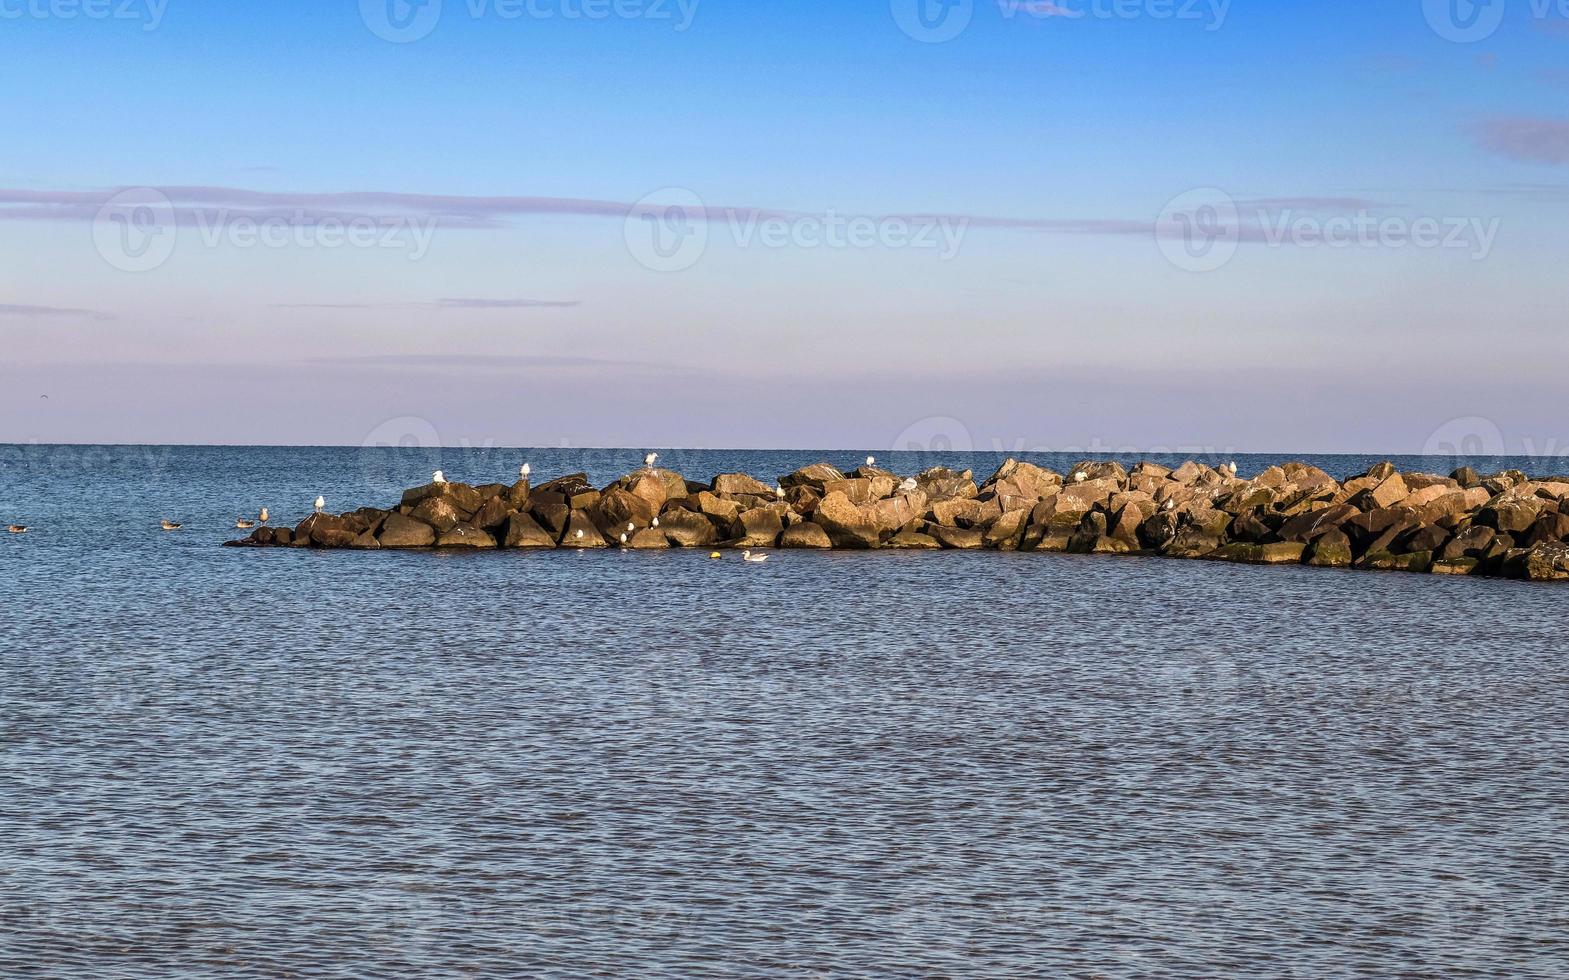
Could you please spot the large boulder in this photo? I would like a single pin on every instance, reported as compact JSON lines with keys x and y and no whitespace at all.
{"x":617,"y":508}
{"x":522,"y":531}
{"x":717,"y":508}
{"x":1315,"y":523}
{"x":491,"y":514}
{"x":461,"y":496}
{"x":941,"y":484}
{"x":399,"y":531}
{"x":1546,"y":562}
{"x":847,"y":525}
{"x":464,"y":535}
{"x":1332,"y":549}
{"x":438,"y":512}
{"x":757,"y":528}
{"x":814,"y":476}
{"x":648,"y":539}
{"x":963,"y":539}
{"x":727,"y":484}
{"x":805,"y":535}
{"x":581,"y":532}
{"x":913,"y":541}
{"x":1007,"y":532}
{"x":687,"y":529}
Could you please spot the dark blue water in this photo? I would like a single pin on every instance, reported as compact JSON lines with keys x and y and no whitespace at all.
{"x":228,"y":762}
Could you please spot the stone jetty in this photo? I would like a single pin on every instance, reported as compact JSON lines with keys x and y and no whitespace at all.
{"x":1505,"y":524}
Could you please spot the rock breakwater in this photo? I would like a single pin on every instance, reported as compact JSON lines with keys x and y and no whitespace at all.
{"x":1504,"y":524}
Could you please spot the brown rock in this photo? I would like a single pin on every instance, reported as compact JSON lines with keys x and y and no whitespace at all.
{"x":524,"y":532}
{"x":405,"y":532}
{"x":805,"y":535}
{"x":846,"y":524}
{"x":958,"y":538}
{"x":580,"y":532}
{"x":438,"y":512}
{"x":757,"y":528}
{"x":464,"y":535}
{"x":649,"y":539}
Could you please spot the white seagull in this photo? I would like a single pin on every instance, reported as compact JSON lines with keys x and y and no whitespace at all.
{"x":871,"y":461}
{"x":656,"y":522}
{"x":630,"y":528}
{"x":1080,"y":476}
{"x":525,"y":470}
{"x":438,"y":477}
{"x":779,"y":492}
{"x":650,"y":460}
{"x":264,"y":517}
{"x":321,"y":504}
{"x":748,"y":556}
{"x":579,"y":535}
{"x":1232,"y":466}
{"x":908,"y":484}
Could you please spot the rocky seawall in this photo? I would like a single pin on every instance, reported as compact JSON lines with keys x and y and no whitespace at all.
{"x":1506,"y":524}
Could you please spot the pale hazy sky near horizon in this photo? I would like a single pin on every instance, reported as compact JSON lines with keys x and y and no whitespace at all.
{"x":1246,"y":226}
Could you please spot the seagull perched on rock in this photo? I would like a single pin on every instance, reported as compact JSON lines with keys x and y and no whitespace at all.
{"x":1171,"y":504}
{"x":656,"y":522}
{"x":779,"y":492}
{"x":908,"y":484}
{"x":871,"y":461}
{"x":525,"y":470}
{"x":579,"y":535}
{"x":1231,"y":467}
{"x":321,"y":504}
{"x":650,"y":460}
{"x":1080,"y":476}
{"x":438,"y":477}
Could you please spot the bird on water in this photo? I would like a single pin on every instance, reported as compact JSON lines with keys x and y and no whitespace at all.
{"x":244,"y":524}
{"x":170,"y":525}
{"x":748,"y":556}
{"x":17,"y":529}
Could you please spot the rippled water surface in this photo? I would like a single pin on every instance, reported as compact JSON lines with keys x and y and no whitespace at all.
{"x":225,"y":762}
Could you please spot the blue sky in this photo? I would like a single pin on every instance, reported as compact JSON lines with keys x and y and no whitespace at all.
{"x":517,"y":151}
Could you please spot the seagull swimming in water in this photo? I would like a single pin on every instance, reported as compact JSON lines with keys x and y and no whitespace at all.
{"x":321,"y":504}
{"x":264,"y":517}
{"x":748,"y":556}
{"x":17,"y":529}
{"x":170,"y":525}
{"x":244,"y":524}
{"x":525,"y":470}
{"x":650,"y":460}
{"x":438,"y":477}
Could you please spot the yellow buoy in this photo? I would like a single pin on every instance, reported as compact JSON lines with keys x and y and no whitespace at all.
{"x":715,"y":554}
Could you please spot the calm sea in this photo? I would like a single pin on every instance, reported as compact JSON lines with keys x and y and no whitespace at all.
{"x":255,"y":763}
